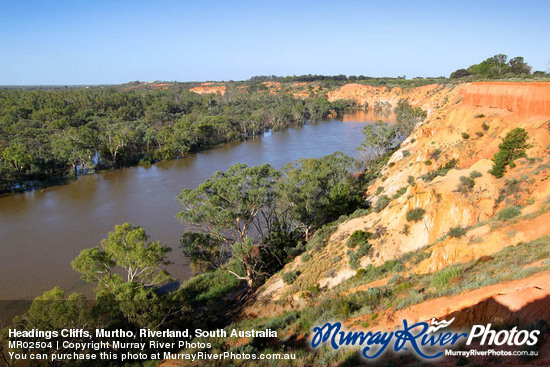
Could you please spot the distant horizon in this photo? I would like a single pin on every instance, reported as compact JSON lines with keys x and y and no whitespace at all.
{"x":203,"y":81}
{"x":108,"y":43}
{"x":227,"y":81}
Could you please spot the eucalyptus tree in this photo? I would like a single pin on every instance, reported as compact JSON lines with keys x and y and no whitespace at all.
{"x":127,"y":271}
{"x":319,"y":190}
{"x":76,"y":146}
{"x":231,"y":207}
{"x":126,"y":247}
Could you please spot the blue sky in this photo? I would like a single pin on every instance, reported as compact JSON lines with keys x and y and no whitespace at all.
{"x":96,"y":42}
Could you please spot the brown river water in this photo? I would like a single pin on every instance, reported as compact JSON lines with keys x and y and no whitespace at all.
{"x":41,"y":231}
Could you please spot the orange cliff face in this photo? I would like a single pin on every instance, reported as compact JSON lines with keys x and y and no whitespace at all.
{"x":208,"y":88}
{"x":524,"y":99}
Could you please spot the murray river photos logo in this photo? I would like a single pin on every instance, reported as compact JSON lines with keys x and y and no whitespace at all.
{"x":428,"y":341}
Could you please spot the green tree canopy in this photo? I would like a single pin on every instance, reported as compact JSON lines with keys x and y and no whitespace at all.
{"x":319,"y":190}
{"x":231,"y":206}
{"x":379,"y":138}
{"x":51,"y":312}
{"x":497,"y":66}
{"x":75,"y":145}
{"x":132,"y":297}
{"x":126,"y":247}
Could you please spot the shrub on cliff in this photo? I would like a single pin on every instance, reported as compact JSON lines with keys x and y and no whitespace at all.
{"x":513,"y":146}
{"x":415,"y":214}
{"x":511,"y":188}
{"x":290,"y":277}
{"x":457,"y":232}
{"x":382,"y":202}
{"x":363,"y":249}
{"x":460,"y":73}
{"x":509,"y":213}
{"x":441,"y":170}
{"x":353,"y":259}
{"x":441,"y":279}
{"x":475,"y":174}
{"x":466,"y":185}
{"x":358,"y":238}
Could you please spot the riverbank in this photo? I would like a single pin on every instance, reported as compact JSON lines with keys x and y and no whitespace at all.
{"x":46,"y":229}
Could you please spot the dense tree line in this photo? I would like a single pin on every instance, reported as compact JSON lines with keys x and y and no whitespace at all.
{"x":48,"y":135}
{"x":323,"y":78}
{"x":498,"y":66}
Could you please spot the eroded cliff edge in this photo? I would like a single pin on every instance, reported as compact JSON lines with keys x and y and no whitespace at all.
{"x":467,"y":123}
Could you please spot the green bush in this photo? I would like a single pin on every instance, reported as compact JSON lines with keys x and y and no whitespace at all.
{"x":313,"y":289}
{"x":435,"y":154}
{"x":441,"y":170}
{"x":465,"y":136}
{"x":416,"y":214}
{"x":475,"y":174}
{"x":479,"y":134}
{"x":513,"y":146}
{"x":457,"y":232}
{"x":466,"y":185}
{"x":382,"y":202}
{"x":479,"y":116}
{"x":399,"y":193}
{"x":353,"y":259}
{"x":441,"y":279}
{"x":509,"y":213}
{"x":210,"y":289}
{"x":406,"y":153}
{"x":358,"y":238}
{"x":306,"y":257}
{"x":410,"y":180}
{"x":450,"y":164}
{"x":402,"y":286}
{"x":354,"y":263}
{"x":485,"y":126}
{"x":363,"y":250}
{"x":147,"y":160}
{"x":428,"y":162}
{"x":290,"y":277}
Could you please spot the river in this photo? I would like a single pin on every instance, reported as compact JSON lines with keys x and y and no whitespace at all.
{"x":41,"y":231}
